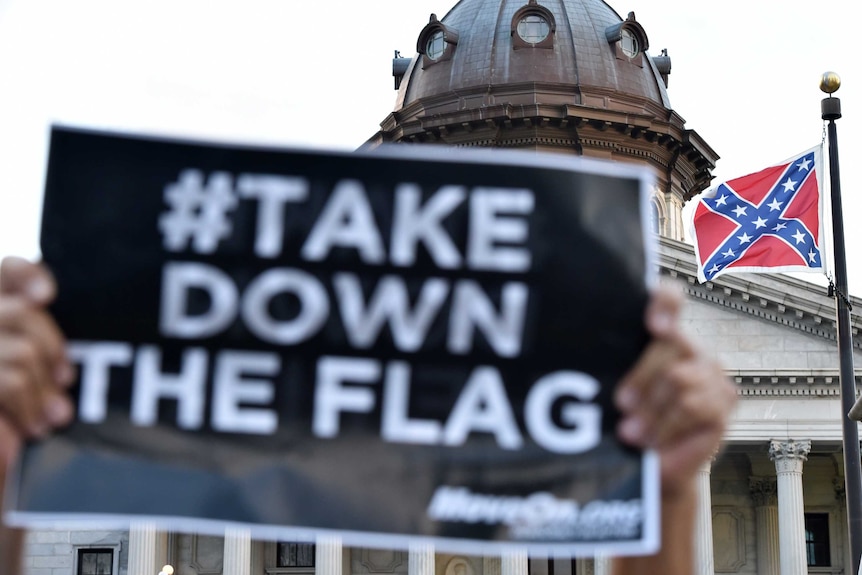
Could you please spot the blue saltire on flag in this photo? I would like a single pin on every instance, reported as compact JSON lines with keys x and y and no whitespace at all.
{"x":768,"y":221}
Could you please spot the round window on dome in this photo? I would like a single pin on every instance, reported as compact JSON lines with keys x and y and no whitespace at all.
{"x":629,"y":43}
{"x":435,"y":46}
{"x":533,"y":28}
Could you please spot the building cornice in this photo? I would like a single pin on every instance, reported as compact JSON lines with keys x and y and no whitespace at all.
{"x":778,"y":298}
{"x":612,"y":126}
{"x":788,"y":383}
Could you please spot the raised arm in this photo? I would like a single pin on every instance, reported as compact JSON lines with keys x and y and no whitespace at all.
{"x":677,"y":400}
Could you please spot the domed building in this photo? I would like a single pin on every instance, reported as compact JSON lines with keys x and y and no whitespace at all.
{"x":575,"y":77}
{"x":563,"y":76}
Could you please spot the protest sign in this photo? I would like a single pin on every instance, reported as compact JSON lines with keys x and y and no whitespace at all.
{"x":404,"y":343}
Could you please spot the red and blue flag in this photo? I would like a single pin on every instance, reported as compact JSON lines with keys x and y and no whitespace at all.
{"x":768,"y":221}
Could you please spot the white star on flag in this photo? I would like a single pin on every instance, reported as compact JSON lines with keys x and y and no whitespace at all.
{"x":789,"y":185}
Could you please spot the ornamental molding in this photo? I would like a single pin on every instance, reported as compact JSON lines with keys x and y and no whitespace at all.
{"x":776,"y":298}
{"x":729,"y":527}
{"x":381,"y":560}
{"x":206,"y":554}
{"x":459,"y":566}
{"x":789,"y":383}
{"x":764,"y":491}
{"x":789,"y":455}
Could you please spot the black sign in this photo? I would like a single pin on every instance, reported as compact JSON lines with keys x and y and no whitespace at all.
{"x":405,"y":343}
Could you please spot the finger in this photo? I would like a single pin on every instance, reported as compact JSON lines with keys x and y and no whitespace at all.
{"x":21,"y":402}
{"x":682,"y":396}
{"x":18,"y":319}
{"x":32,"y":408}
{"x":642,"y":425}
{"x":21,"y":277}
{"x":668,"y":344}
{"x":635,"y":388}
{"x":694,"y":405}
{"x":25,"y":385}
{"x":58,"y":409}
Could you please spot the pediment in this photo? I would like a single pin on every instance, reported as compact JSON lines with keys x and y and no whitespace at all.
{"x":778,"y":298}
{"x":775,"y":334}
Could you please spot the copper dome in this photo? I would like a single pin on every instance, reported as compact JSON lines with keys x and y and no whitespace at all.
{"x":565,"y":76}
{"x":580,"y":65}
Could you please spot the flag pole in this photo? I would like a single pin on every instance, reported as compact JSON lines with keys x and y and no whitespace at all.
{"x":830,"y":111}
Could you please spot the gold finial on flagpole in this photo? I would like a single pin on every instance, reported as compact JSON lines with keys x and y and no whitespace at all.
{"x":830,"y":82}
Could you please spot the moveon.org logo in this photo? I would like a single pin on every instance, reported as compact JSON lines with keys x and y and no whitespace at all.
{"x":539,"y":514}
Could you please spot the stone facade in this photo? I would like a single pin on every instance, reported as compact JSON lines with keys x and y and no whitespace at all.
{"x":56,"y":552}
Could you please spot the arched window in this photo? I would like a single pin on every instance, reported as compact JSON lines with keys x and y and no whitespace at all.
{"x":654,"y":217}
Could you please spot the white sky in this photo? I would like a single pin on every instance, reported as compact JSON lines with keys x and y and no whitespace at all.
{"x":745,"y":76}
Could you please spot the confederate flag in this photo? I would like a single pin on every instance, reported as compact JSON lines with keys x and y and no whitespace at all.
{"x":763,"y":222}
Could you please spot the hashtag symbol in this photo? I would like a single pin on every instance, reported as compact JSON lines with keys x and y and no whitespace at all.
{"x":198,"y":212}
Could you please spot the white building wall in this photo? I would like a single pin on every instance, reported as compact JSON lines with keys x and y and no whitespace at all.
{"x":745,"y":342}
{"x":55,"y":552}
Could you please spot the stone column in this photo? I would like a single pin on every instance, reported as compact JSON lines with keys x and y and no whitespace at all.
{"x":421,"y":559}
{"x":602,"y":565}
{"x":764,"y":494}
{"x":703,"y":552}
{"x":788,"y":457}
{"x":491,"y":566}
{"x":514,"y":563}
{"x":148,"y":549}
{"x":328,"y":555}
{"x":237,"y":551}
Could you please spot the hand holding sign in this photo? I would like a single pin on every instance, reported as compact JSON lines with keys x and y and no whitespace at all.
{"x":677,"y":399}
{"x":352,"y":328}
{"x":33,"y":364}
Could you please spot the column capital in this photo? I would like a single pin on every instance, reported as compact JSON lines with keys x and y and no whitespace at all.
{"x":764,"y":491}
{"x":706,"y":466}
{"x":789,"y":454}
